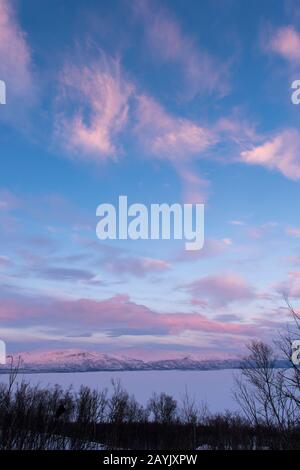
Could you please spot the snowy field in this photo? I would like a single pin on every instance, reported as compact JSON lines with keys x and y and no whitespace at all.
{"x":211,"y":387}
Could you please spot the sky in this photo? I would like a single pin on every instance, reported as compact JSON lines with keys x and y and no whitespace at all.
{"x":165,"y":102}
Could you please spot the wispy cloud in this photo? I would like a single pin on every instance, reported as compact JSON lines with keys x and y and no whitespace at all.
{"x":201,"y":71}
{"x":278,"y":153}
{"x":135,"y":266}
{"x":15,"y":54}
{"x":176,"y":139}
{"x":168,"y":136}
{"x":291,"y":286}
{"x":8,"y":200}
{"x":94,"y":98}
{"x":293,"y":232}
{"x":211,"y":249}
{"x":236,"y":222}
{"x":59,"y":273}
{"x":261,"y":230}
{"x":221,"y":290}
{"x":285,"y":41}
{"x":111,"y":317}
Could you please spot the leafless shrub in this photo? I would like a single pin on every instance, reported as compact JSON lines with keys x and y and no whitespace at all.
{"x":268,"y":394}
{"x":163,"y":408}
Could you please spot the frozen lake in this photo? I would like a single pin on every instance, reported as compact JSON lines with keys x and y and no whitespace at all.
{"x":211,"y":387}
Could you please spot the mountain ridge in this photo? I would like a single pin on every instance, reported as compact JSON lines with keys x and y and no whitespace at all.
{"x":88,"y":361}
{"x":73,"y":360}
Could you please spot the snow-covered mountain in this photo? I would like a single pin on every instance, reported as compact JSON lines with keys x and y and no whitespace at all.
{"x":83,"y":361}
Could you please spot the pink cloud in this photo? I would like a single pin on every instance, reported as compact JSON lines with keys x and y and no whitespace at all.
{"x":261,"y":230}
{"x":116,"y":314}
{"x":8,"y":203}
{"x":293,"y":232}
{"x":239,"y":223}
{"x":212,"y":248}
{"x":11,"y":310}
{"x":8,"y":200}
{"x":15,"y":54}
{"x":5,"y":261}
{"x":286,"y":42}
{"x":166,"y":39}
{"x":195,"y":187}
{"x":221,"y":290}
{"x":290,"y":287}
{"x":59,"y":273}
{"x":175,"y":139}
{"x":101,"y":96}
{"x":168,"y":136}
{"x":280,"y":153}
{"x":292,"y":260}
{"x":135,"y":266}
{"x":122,"y":262}
{"x":237,"y":129}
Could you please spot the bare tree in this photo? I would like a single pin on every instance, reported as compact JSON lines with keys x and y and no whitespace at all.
{"x":268,"y":388}
{"x":163,"y":407}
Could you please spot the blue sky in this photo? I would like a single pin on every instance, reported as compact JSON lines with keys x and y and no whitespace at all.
{"x":163,"y":102}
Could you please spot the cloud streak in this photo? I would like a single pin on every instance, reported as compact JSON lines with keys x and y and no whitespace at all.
{"x":167,"y":136}
{"x":280,"y":153}
{"x":15,"y":54}
{"x":111,"y":315}
{"x":286,"y":42}
{"x":201,"y":72}
{"x":95,"y":102}
{"x":220,"y":291}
